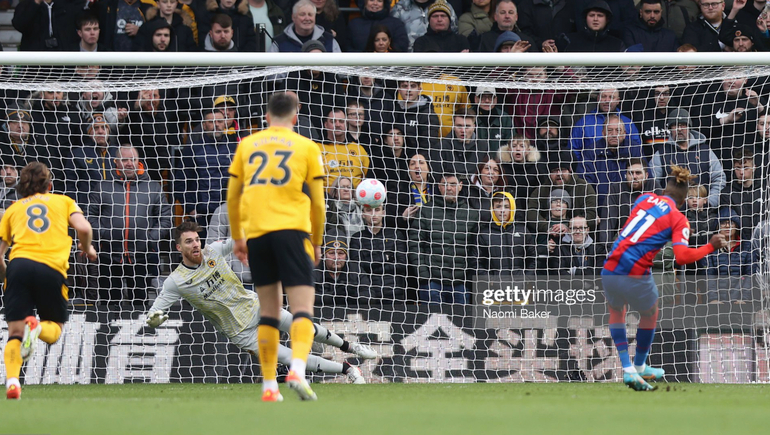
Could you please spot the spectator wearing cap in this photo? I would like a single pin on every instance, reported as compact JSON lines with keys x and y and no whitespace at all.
{"x":506,"y":18}
{"x":590,"y":129}
{"x":168,"y":13}
{"x":549,"y":136}
{"x":740,"y":38}
{"x":17,"y":143}
{"x":443,"y":244}
{"x":593,"y":34}
{"x":688,"y":148}
{"x":94,"y":161}
{"x":492,"y":123}
{"x":509,"y":42}
{"x":649,"y":29}
{"x":560,"y":176}
{"x":379,"y":253}
{"x":302,"y":29}
{"x":729,"y":269}
{"x":229,"y":108}
{"x":45,"y":25}
{"x":219,"y":37}
{"x":440,"y":37}
{"x":336,"y":281}
{"x":376,"y":13}
{"x":413,"y":14}
{"x":244,"y":36}
{"x":703,"y":33}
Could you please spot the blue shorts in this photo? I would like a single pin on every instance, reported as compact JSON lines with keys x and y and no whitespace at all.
{"x":639,"y":292}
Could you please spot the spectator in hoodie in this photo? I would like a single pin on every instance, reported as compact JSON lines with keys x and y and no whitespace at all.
{"x":179,"y":23}
{"x":649,"y":29}
{"x":244,"y":36}
{"x":729,"y":268}
{"x":158,"y":36}
{"x":91,"y":162}
{"x":413,"y":14}
{"x":391,"y":166}
{"x":440,"y":37}
{"x":220,"y":35}
{"x":492,"y":123}
{"x":506,"y":248}
{"x":623,"y":12}
{"x":302,"y":29}
{"x":329,"y":17}
{"x":374,"y":13}
{"x":506,"y":19}
{"x":593,"y":34}
{"x":689,"y":148}
{"x":103,"y":103}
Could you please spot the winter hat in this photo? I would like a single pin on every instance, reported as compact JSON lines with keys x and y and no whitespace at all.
{"x":506,"y":38}
{"x":96,"y":118}
{"x":313,"y":44}
{"x":331,"y":245}
{"x":562,"y":195}
{"x":728,"y":214}
{"x":19,"y":115}
{"x":439,"y":6}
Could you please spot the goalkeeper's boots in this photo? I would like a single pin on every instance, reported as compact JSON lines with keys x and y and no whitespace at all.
{"x":363,"y":351}
{"x":301,"y":386}
{"x":634,"y":381}
{"x":32,"y":330}
{"x":651,"y":374}
{"x":355,"y":376}
{"x":272,"y":396}
{"x":13,"y":389}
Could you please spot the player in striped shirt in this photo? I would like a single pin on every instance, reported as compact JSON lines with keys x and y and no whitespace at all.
{"x":653,"y":221}
{"x":206,"y":281}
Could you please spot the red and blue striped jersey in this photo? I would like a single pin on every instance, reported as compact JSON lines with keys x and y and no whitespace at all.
{"x":654,"y":220}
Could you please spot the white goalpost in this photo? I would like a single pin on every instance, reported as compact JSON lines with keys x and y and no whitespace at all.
{"x":503,"y":171}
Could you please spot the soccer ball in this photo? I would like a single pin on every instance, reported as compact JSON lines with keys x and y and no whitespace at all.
{"x":371,"y":192}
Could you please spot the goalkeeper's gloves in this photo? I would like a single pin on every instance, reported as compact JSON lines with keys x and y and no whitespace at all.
{"x":156,"y":318}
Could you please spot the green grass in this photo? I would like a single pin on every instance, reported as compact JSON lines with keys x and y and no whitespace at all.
{"x":392,"y":409}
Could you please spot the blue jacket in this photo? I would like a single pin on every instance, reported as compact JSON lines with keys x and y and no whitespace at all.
{"x":589,"y":129}
{"x":602,"y":166}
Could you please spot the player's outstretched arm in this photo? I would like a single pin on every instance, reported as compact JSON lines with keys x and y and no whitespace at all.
{"x":685,"y":255}
{"x":85,"y":234}
{"x":168,"y":296}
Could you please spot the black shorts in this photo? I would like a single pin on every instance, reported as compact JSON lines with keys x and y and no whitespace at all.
{"x":30,"y":285}
{"x":284,"y":256}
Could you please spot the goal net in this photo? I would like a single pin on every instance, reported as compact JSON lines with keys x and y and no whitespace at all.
{"x":506,"y":188}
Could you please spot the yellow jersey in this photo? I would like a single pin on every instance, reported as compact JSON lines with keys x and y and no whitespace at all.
{"x":274,"y":166}
{"x":344,"y":159}
{"x":36,"y":229}
{"x":446,"y":100}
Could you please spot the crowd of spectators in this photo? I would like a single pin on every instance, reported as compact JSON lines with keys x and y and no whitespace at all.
{"x":481,"y":180}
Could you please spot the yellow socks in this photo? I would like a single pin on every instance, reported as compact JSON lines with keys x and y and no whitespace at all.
{"x":302,"y":333}
{"x":13,"y":357}
{"x":49,"y":331}
{"x":267,"y":343}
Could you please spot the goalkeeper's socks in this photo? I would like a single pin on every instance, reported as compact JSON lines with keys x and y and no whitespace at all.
{"x":49,"y":331}
{"x":302,"y":332}
{"x":318,"y":364}
{"x":267,"y":344}
{"x":12,"y":357}
{"x":323,"y":335}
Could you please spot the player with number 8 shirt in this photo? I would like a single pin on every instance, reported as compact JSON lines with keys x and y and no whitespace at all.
{"x":36,"y":228}
{"x":654,"y":221}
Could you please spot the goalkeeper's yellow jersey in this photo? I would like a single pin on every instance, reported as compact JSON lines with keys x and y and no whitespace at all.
{"x":36,"y":228}
{"x":275,"y":165}
{"x":213,"y":289}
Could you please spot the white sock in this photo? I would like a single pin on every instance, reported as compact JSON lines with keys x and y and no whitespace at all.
{"x":270,"y":385}
{"x":629,"y":370}
{"x":640,"y":368}
{"x":299,"y":367}
{"x":12,"y":381}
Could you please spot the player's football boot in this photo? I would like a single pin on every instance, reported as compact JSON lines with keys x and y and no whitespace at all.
{"x":32,"y":330}
{"x":651,"y":374}
{"x":301,"y":386}
{"x":634,"y":381}
{"x":13,"y":390}
{"x":272,"y":396}
{"x":355,"y":376}
{"x":363,"y":351}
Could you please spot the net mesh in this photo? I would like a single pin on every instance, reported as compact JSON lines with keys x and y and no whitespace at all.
{"x":573,"y":147}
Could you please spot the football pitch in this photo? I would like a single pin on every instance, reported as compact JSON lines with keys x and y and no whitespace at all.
{"x":388,"y":409}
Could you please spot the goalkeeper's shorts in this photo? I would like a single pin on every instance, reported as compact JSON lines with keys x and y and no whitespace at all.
{"x":285,"y":256}
{"x":30,"y":285}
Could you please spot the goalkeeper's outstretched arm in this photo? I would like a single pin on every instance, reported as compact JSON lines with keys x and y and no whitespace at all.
{"x":685,"y":255}
{"x":168,"y":296}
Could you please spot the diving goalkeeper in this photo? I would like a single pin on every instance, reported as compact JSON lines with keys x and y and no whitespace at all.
{"x":205,"y":280}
